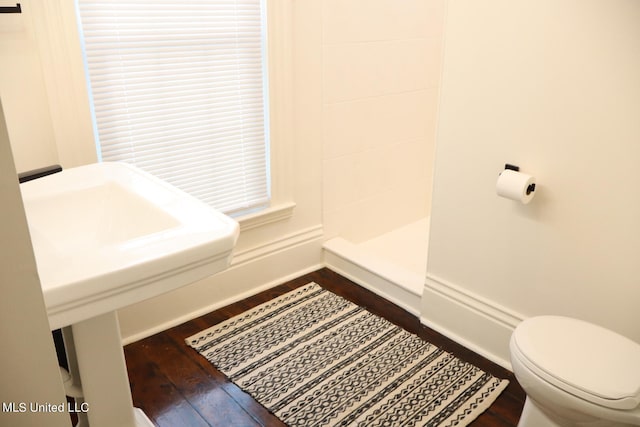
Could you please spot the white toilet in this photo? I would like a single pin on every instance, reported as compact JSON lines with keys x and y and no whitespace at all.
{"x":575,"y":374}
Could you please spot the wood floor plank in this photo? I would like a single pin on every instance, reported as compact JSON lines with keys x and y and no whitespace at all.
{"x":175,"y":386}
{"x":155,"y":394}
{"x":203,"y":389}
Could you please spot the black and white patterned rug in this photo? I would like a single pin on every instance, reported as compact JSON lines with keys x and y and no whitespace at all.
{"x":315,"y":359}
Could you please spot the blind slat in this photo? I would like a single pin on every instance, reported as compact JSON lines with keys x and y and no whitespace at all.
{"x":180,"y":93}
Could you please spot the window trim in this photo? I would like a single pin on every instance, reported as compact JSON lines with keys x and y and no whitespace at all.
{"x":57,"y":34}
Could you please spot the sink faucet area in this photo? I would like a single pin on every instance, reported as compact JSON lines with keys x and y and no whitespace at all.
{"x":105,"y":236}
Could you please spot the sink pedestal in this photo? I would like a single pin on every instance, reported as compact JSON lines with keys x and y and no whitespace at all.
{"x":103,"y":373}
{"x":105,"y":236}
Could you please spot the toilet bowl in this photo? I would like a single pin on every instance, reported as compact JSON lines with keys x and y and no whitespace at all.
{"x":575,"y":374}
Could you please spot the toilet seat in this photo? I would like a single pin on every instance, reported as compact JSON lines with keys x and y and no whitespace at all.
{"x":583,"y":359}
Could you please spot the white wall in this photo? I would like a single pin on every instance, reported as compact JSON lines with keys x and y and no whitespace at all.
{"x":380,"y":75}
{"x":552,"y":86}
{"x":358,"y":123}
{"x":29,"y":366}
{"x":24,"y":93}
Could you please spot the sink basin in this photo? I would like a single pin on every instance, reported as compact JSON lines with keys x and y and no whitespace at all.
{"x":107,"y":235}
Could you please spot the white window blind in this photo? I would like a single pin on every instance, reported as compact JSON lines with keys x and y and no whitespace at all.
{"x":179,"y":90}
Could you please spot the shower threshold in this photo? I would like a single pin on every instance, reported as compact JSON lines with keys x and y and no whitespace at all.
{"x":393,"y":265}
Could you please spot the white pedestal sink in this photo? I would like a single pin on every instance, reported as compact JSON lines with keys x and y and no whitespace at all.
{"x":105,"y":236}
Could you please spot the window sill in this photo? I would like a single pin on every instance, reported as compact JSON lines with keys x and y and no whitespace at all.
{"x":272,"y":214}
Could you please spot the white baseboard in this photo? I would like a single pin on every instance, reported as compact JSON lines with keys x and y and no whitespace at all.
{"x":475,"y":322}
{"x":252,"y":271}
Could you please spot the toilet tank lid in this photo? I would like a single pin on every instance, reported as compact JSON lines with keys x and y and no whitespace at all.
{"x":601,"y":365}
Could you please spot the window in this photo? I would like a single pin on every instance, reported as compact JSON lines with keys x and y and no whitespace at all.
{"x":179,"y":89}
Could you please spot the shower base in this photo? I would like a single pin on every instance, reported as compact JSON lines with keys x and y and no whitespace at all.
{"x":393,"y":265}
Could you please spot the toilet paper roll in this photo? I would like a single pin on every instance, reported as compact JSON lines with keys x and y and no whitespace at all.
{"x":516,"y":186}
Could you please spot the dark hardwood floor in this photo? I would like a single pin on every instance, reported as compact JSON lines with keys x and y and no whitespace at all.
{"x":175,"y":386}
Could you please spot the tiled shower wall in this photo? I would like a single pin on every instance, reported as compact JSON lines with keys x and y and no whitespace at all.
{"x":381,"y":74}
